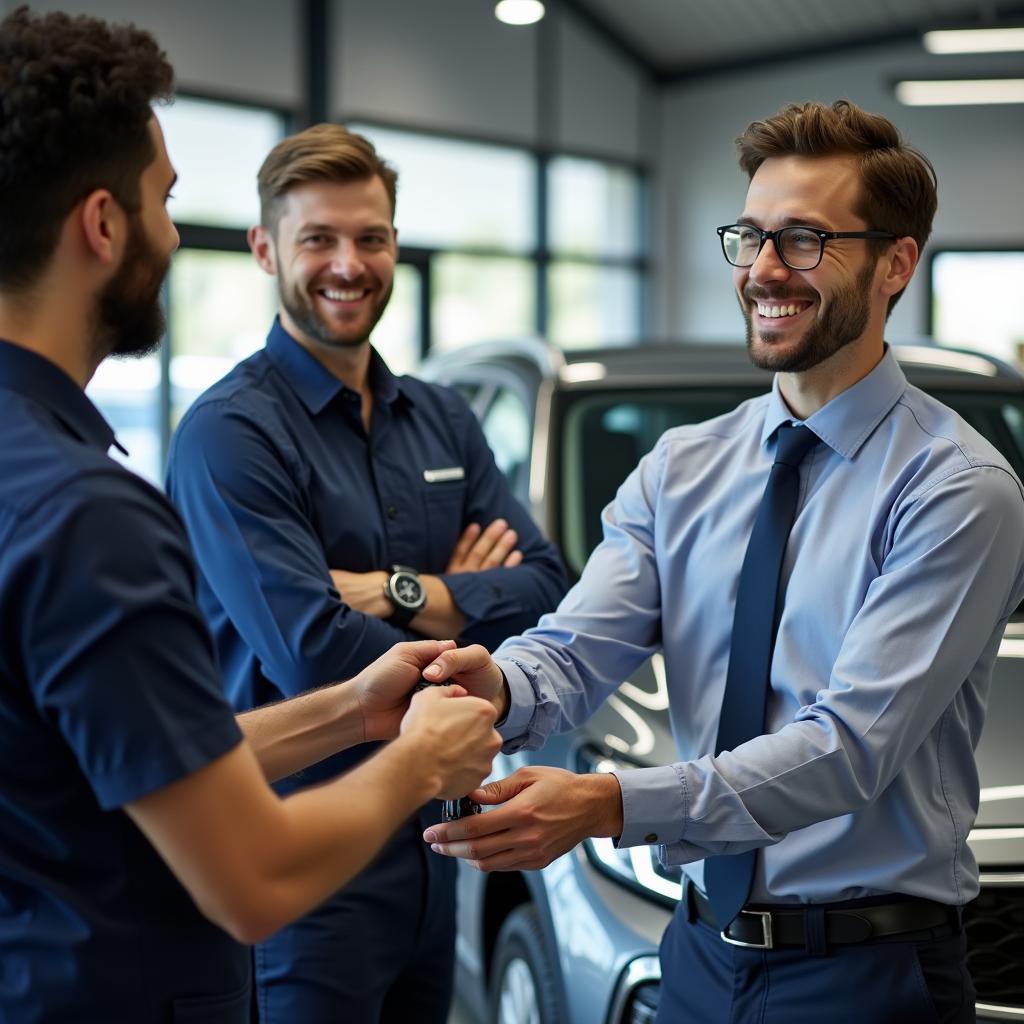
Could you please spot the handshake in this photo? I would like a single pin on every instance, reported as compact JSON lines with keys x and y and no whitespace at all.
{"x":441,"y":704}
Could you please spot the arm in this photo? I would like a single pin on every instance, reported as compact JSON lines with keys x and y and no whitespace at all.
{"x":245,"y":510}
{"x":253,"y":862}
{"x":930,"y":619}
{"x":118,"y":660}
{"x":477,"y":550}
{"x":293,"y":734}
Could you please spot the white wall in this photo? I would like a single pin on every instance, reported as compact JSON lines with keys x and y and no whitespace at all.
{"x":978,"y":153}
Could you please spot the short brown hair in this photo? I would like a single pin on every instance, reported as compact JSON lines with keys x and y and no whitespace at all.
{"x":324,"y":152}
{"x":77,"y":95}
{"x":898,"y":184}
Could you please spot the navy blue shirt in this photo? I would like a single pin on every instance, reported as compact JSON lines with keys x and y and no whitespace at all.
{"x":108,"y":692}
{"x":279,"y":482}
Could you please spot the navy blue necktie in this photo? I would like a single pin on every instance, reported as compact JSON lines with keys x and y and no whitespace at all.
{"x":727,"y":878}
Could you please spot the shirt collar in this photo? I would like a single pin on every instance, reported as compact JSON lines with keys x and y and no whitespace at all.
{"x":845,"y":423}
{"x":31,"y":374}
{"x":315,"y":385}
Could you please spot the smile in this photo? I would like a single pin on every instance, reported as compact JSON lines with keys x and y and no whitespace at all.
{"x":343,"y":295}
{"x":776,"y":311}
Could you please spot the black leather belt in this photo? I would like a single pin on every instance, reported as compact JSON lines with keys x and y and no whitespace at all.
{"x":774,"y":927}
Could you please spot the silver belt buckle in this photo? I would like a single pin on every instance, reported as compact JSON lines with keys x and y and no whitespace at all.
{"x":766,"y":931}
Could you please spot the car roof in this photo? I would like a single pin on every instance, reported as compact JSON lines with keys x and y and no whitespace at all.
{"x":669,"y":364}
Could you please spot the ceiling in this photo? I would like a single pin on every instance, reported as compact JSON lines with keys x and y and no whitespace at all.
{"x":677,"y":39}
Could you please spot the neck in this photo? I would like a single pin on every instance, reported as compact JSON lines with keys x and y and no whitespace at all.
{"x":809,"y":390}
{"x":350,"y":364}
{"x":57,"y":331}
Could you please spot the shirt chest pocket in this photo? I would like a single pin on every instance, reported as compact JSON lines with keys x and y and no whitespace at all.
{"x":443,"y":505}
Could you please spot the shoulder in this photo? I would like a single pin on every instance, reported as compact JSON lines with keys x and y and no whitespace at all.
{"x":438,"y":398}
{"x":251,"y":403}
{"x":247,"y":389}
{"x":708,"y":436}
{"x":939,"y":443}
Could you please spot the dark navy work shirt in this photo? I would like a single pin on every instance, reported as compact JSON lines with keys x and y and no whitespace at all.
{"x":108,"y":692}
{"x":278,"y":483}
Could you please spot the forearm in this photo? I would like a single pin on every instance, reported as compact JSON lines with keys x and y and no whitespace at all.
{"x":325,"y":835}
{"x":293,"y":734}
{"x":441,"y":618}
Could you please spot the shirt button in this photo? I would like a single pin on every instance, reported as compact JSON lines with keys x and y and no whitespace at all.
{"x":651,"y":837}
{"x":392,"y":511}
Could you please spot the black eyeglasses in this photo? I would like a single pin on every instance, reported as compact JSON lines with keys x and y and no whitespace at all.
{"x":798,"y":246}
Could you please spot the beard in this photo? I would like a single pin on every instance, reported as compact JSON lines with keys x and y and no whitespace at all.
{"x":843,"y":321}
{"x":299,"y":306}
{"x":129,"y":320}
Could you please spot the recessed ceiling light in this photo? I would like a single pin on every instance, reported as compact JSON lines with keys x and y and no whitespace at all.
{"x":519,"y":12}
{"x":961,"y":92}
{"x":974,"y":40}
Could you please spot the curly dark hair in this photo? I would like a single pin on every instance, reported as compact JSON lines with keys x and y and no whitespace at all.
{"x":75,"y":103}
{"x":898,"y":185}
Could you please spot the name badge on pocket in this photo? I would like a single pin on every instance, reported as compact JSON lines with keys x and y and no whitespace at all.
{"x":445,"y":475}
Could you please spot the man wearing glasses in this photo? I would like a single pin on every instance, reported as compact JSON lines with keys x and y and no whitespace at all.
{"x":828,"y":570}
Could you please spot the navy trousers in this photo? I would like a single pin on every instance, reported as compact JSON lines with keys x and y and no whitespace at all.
{"x":381,"y":951}
{"x":912,"y":979}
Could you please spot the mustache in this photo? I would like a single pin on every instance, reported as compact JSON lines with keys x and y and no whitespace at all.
{"x":757,"y":294}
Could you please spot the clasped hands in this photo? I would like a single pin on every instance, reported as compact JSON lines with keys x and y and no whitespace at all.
{"x":539,"y":812}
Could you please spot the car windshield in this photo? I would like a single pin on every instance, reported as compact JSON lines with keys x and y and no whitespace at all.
{"x":606,"y":432}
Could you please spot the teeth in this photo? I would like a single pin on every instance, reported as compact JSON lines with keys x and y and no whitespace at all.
{"x":773,"y":312}
{"x":349,"y":295}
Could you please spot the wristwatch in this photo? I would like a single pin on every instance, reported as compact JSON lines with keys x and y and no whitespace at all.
{"x":405,"y":590}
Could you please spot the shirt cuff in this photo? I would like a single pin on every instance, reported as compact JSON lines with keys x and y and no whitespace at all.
{"x":522,"y":702}
{"x":480,"y":597}
{"x":654,"y":802}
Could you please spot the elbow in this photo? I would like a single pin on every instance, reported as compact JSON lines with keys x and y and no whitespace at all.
{"x":247,"y":918}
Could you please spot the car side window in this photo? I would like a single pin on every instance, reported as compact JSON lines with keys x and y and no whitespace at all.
{"x":506,"y":425}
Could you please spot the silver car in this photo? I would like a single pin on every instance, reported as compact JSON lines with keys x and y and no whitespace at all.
{"x":577,"y":942}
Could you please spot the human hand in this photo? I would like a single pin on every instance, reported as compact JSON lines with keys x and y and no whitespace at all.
{"x":363,"y":591}
{"x":457,"y":736}
{"x":384,"y":687}
{"x":480,"y":549}
{"x":474,"y":668}
{"x":545,"y":812}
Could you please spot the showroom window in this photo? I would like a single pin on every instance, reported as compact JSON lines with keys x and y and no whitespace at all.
{"x":596,"y":275}
{"x":968,"y":304}
{"x":492,"y":265}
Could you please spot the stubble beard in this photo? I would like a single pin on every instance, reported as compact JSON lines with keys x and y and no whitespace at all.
{"x":843,"y":321}
{"x":298,"y":305}
{"x":128,"y":319}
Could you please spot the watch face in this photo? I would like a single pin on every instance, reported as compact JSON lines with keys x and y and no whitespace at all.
{"x":407,"y":590}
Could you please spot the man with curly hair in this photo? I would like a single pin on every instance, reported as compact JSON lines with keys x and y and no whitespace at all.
{"x":142,"y":842}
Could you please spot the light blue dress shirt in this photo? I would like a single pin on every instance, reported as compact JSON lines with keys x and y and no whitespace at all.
{"x":903,"y":566}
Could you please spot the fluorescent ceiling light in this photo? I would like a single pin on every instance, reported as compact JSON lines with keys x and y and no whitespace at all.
{"x":975,"y":40}
{"x":519,"y":12}
{"x":960,"y":92}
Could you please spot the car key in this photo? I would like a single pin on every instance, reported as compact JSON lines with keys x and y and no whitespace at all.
{"x":451,"y":810}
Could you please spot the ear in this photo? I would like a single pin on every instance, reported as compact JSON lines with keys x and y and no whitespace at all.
{"x":898,"y":265}
{"x":261,"y":242}
{"x":102,"y":223}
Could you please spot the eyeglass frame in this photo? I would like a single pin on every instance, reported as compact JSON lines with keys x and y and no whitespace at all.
{"x":823,"y":237}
